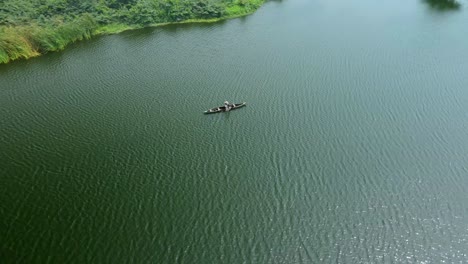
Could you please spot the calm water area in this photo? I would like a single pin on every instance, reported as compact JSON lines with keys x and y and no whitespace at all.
{"x":353,"y":147}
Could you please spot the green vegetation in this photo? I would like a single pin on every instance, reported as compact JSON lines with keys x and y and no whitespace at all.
{"x":29,"y":28}
{"x":443,"y":4}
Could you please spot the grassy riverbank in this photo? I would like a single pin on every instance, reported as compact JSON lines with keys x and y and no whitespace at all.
{"x":32,"y":28}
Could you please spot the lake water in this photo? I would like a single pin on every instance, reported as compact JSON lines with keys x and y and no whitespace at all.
{"x":353,"y":147}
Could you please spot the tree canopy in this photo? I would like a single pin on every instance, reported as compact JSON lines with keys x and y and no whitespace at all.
{"x":32,"y":27}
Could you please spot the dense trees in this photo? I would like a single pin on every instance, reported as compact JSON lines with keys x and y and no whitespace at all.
{"x":31,"y":27}
{"x":443,"y":4}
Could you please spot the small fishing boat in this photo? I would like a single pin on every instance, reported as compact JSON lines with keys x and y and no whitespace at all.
{"x":223,"y":108}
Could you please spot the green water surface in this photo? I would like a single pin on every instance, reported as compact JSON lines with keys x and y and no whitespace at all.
{"x":353,"y":147}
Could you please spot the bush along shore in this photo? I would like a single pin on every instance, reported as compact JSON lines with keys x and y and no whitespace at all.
{"x":29,"y":28}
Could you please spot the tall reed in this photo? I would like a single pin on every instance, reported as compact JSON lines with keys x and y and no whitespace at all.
{"x":32,"y":40}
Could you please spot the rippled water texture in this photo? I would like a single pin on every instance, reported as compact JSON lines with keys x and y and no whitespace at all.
{"x":353,"y":147}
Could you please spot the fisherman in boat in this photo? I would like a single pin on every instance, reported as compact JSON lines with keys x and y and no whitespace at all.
{"x":227,"y":106}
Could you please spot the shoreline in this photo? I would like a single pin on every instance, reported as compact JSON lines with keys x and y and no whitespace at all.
{"x":116,"y":28}
{"x":112,"y":29}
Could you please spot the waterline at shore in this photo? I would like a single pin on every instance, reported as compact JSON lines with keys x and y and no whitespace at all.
{"x":28,"y":41}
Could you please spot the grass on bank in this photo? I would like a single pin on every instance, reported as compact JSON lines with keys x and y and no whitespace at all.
{"x":23,"y":40}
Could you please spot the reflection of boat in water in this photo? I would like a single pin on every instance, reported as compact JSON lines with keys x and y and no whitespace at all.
{"x":224,"y":108}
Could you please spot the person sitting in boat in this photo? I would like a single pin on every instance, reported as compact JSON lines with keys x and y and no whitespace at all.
{"x":227,"y":106}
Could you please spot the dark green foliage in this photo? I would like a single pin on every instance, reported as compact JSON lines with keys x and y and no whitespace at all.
{"x":31,"y":27}
{"x":443,"y":4}
{"x":135,"y":12}
{"x":207,"y":9}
